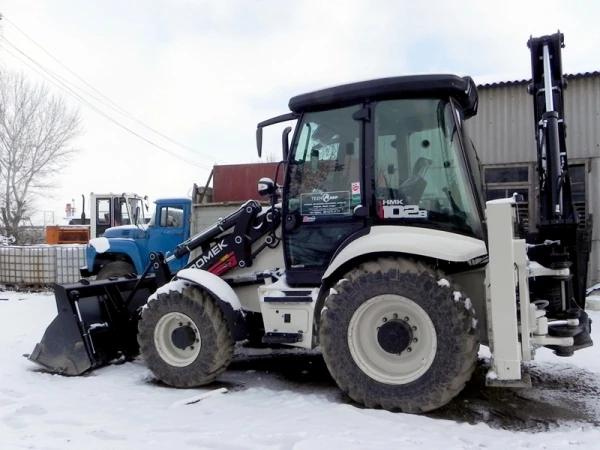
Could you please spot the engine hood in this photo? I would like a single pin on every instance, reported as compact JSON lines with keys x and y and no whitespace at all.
{"x":126,"y":231}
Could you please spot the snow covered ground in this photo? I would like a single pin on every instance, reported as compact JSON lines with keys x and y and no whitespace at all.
{"x":593,"y":298}
{"x":266,"y":401}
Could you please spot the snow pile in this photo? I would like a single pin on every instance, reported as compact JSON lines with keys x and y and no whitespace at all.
{"x":502,"y":200}
{"x":212,"y":283}
{"x":443,"y":282}
{"x":280,"y":284}
{"x":468,"y":304}
{"x":593,"y":298}
{"x":101,"y":244}
{"x":593,"y":289}
{"x":276,"y":289}
{"x":274,"y":293}
{"x":175,"y":285}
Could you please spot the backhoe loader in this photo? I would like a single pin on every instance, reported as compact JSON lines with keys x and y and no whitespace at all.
{"x":379,"y":248}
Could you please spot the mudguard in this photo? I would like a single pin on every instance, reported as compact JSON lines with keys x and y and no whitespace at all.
{"x":109,"y":248}
{"x":222,"y":292}
{"x":410,"y":240}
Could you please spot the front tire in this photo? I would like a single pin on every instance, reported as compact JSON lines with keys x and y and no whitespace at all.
{"x":115,"y":269}
{"x":396,"y":335}
{"x":184,"y":338}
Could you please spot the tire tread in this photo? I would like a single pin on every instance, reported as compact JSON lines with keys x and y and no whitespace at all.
{"x":217,"y":346}
{"x":378,"y":395}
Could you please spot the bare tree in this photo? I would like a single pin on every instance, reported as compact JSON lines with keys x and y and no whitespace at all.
{"x":36,"y":131}
{"x":271,"y":157}
{"x":266,"y":158}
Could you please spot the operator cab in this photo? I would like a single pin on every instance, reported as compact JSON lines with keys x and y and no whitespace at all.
{"x":391,"y":151}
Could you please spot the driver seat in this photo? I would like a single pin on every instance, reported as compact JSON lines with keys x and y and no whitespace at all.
{"x":414,"y":187}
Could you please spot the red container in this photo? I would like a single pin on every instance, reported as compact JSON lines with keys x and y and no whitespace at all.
{"x":239,"y":182}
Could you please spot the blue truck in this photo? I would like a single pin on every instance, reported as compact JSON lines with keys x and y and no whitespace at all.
{"x":125,"y":249}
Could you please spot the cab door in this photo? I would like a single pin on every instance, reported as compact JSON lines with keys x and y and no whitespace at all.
{"x":102,"y":215}
{"x":323,"y":188}
{"x":170,"y":227}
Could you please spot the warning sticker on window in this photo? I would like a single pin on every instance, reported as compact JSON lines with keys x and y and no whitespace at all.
{"x":355,"y":188}
{"x":325,"y":203}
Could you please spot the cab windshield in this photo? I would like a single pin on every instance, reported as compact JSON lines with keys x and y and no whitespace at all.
{"x":133,"y":203}
{"x":421,"y":174}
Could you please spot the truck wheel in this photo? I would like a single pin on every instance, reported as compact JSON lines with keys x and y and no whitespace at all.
{"x":115,"y":269}
{"x":397,"y":335}
{"x":184,"y":338}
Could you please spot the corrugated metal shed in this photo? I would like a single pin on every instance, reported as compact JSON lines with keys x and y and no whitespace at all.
{"x":503,"y":133}
{"x":503,"y":129}
{"x":568,"y":76}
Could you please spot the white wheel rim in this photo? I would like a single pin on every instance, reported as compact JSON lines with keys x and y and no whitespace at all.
{"x":379,"y":364}
{"x":165,"y":346}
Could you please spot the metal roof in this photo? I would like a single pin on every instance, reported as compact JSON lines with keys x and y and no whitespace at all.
{"x":504,"y":132}
{"x":568,"y":76}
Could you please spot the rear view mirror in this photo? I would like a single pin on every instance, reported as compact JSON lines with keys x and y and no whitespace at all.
{"x":266,"y":187}
{"x":272,"y":121}
{"x":285,"y":143}
{"x":259,"y":141}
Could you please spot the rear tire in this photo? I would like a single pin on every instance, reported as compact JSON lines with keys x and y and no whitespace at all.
{"x":115,"y":269}
{"x":383,"y":361}
{"x":184,"y":338}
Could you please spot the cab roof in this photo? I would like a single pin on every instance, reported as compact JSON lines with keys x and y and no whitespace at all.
{"x":463,"y":89}
{"x":163,"y":200}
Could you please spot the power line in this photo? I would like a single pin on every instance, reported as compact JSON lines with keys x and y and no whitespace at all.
{"x":78,"y":97}
{"x":118,"y":108}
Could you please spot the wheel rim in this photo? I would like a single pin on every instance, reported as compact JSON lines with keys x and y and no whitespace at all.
{"x":177,"y":339}
{"x":378,"y":331}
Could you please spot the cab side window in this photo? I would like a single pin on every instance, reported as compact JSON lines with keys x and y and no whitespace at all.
{"x":325,"y":165}
{"x":103,"y":211}
{"x":171,"y":216}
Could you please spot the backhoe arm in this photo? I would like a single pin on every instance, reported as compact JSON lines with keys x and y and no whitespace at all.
{"x":559,"y":242}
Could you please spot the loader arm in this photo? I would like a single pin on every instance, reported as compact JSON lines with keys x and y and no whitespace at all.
{"x":97,"y":320}
{"x":222,"y":252}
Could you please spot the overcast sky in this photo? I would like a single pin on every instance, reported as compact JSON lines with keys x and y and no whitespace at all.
{"x":204,"y":73}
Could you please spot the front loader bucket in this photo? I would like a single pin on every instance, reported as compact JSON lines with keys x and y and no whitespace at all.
{"x":96,"y":323}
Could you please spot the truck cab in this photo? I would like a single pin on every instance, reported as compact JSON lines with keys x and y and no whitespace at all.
{"x":113,"y":210}
{"x":125,"y":249}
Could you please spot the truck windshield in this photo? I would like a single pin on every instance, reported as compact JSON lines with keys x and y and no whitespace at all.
{"x":421,"y":173}
{"x":134,"y":203}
